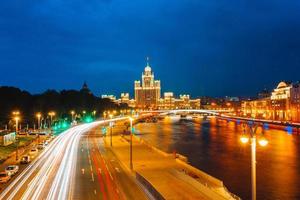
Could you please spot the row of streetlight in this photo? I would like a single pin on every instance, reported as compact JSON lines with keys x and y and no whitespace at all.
{"x":111,"y":114}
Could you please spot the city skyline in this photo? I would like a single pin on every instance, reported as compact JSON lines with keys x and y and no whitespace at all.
{"x":245,"y":45}
{"x":131,"y":91}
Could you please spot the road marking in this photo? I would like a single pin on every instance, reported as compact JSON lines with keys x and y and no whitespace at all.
{"x":95,"y":192}
{"x":93,"y":177}
{"x":110,"y":175}
{"x":117,"y":169}
{"x":91,"y":168}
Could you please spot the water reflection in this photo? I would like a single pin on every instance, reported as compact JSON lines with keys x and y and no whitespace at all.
{"x":214,"y":147}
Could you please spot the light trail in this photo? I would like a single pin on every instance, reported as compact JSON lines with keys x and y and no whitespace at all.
{"x":51,"y":174}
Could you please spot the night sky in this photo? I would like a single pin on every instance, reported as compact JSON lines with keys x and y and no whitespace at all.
{"x":200,"y":47}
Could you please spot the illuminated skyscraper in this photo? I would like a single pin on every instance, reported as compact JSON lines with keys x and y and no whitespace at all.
{"x":147,"y":94}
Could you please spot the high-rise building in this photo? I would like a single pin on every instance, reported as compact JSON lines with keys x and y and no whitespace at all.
{"x":147,"y":93}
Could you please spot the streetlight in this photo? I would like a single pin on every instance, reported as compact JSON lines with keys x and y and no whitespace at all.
{"x":131,"y":165}
{"x":72,"y":113}
{"x":39,"y":115}
{"x":17,"y":150}
{"x":51,"y":114}
{"x":111,"y":126}
{"x":17,"y":118}
{"x":263,"y":142}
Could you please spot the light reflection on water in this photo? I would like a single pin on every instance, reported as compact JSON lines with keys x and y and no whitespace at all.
{"x":213,"y":146}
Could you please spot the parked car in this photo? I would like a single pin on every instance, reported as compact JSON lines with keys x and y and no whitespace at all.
{"x":4,"y":177}
{"x":40,"y":146}
{"x":25,"y":159}
{"x":33,"y":152}
{"x":46,"y":142}
{"x":12,"y":169}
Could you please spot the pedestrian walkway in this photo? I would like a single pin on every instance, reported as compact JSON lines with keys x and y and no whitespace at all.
{"x":168,"y":176}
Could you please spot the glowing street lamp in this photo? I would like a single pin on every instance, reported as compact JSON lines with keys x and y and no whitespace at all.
{"x":51,"y":114}
{"x":16,"y":118}
{"x":111,"y":127}
{"x":263,"y":142}
{"x":72,"y":113}
{"x":131,"y":165}
{"x":39,"y":115}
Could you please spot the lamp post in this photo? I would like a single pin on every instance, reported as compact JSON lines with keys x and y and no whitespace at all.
{"x":111,"y":126}
{"x":17,"y":118}
{"x":131,"y":165}
{"x":39,"y":115}
{"x":51,"y":114}
{"x":17,"y":150}
{"x":72,"y":114}
{"x":263,"y":142}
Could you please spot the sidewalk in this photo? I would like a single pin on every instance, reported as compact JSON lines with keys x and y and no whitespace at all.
{"x":166,"y":174}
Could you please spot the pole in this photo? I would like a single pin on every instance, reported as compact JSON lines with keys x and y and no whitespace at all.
{"x":17,"y":150}
{"x":39,"y":123}
{"x":111,"y":133}
{"x":131,"y":165}
{"x":253,"y":167}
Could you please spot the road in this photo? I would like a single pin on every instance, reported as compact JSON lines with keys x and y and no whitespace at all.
{"x":73,"y":167}
{"x":101,"y":176}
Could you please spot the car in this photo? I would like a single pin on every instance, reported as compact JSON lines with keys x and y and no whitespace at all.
{"x":12,"y":169}
{"x":33,"y":152}
{"x":40,"y":146}
{"x":46,"y":142}
{"x":4,"y":177}
{"x":25,"y":159}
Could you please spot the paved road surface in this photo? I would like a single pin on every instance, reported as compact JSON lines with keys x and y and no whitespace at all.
{"x":73,"y":167}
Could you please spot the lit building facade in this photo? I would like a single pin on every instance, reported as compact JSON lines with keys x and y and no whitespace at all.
{"x":147,"y":95}
{"x":147,"y":92}
{"x":283,"y":104}
{"x":169,"y":102}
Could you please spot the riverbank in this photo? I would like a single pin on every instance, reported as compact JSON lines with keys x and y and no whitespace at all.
{"x":165,"y":174}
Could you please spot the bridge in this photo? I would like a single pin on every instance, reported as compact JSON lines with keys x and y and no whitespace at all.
{"x":177,"y":111}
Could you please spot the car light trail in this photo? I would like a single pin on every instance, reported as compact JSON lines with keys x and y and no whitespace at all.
{"x":51,"y":174}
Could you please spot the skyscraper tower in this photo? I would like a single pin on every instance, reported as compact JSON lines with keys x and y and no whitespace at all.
{"x":147,"y":94}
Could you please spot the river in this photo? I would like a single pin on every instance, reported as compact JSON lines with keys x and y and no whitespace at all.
{"x":213,"y":146}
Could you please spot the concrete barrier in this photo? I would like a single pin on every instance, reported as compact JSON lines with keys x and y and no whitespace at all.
{"x":212,"y":193}
{"x":210,"y":180}
{"x":149,"y":187}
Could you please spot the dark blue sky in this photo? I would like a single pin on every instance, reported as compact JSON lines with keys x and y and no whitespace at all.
{"x":207,"y":47}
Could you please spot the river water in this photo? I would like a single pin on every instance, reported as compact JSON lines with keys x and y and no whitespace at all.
{"x":213,"y":146}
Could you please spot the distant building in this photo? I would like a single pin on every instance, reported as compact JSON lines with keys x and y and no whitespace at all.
{"x":85,"y":88}
{"x":7,"y":138}
{"x":282,"y":104}
{"x":147,"y":93}
{"x":109,"y":96}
